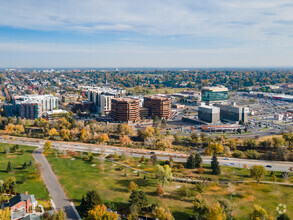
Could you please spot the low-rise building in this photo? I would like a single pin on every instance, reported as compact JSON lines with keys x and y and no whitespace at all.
{"x":210,"y":114}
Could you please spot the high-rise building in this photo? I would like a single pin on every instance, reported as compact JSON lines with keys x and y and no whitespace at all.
{"x":210,"y":114}
{"x":214,"y":94}
{"x":102,"y":96}
{"x":158,"y":106}
{"x":125,"y":110}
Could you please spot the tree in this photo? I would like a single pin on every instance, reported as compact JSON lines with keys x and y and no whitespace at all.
{"x":216,"y":212}
{"x":215,"y":165}
{"x":83,"y":134}
{"x":104,"y":138}
{"x":163,"y":173}
{"x":190,"y":164}
{"x":139,"y":199}
{"x":19,"y":128}
{"x":125,"y":140}
{"x":24,"y":165}
{"x":162,"y":214}
{"x":10,"y":185}
{"x":200,"y":207}
{"x":5,"y":214}
{"x":124,"y":129}
{"x":65,"y":134}
{"x":258,"y":172}
{"x":156,"y":122}
{"x":47,"y":146}
{"x":100,"y":212}
{"x":53,"y":133}
{"x":160,"y":190}
{"x":9,"y":167}
{"x":197,"y":161}
{"x":163,"y":123}
{"x":258,"y":213}
{"x":9,"y":128}
{"x":214,"y":148}
{"x":60,"y":215}
{"x":91,"y":200}
{"x":154,"y":159}
{"x":132,"y":186}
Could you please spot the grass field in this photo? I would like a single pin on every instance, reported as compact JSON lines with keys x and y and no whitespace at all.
{"x":79,"y":176}
{"x":32,"y":185}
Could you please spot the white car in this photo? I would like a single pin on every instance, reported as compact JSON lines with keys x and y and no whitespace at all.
{"x":226,"y":158}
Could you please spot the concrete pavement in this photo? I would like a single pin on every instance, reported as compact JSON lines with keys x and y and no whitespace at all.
{"x":59,"y":198}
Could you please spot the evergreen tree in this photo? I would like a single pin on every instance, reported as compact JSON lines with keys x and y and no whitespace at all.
{"x":139,"y":199}
{"x":30,"y":163}
{"x":197,"y":161}
{"x":91,"y":200}
{"x":9,"y":167}
{"x":215,"y":165}
{"x":190,"y":162}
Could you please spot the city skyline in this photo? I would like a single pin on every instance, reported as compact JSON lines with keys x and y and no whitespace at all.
{"x":146,"y":34}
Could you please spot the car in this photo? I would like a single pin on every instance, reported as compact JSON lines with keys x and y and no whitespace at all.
{"x":76,"y":145}
{"x":269,"y":166}
{"x":226,"y":158}
{"x":152,"y":152}
{"x":115,"y":149}
{"x":232,"y":164}
{"x":227,"y":164}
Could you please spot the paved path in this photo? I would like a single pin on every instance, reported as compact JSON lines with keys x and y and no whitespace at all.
{"x":59,"y":198}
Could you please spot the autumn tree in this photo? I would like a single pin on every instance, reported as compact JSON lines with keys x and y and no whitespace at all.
{"x":258,"y":172}
{"x":53,"y":133}
{"x":47,"y":146}
{"x":162,"y":214}
{"x":163,"y":173}
{"x":100,"y":212}
{"x":132,"y":186}
{"x":125,"y":140}
{"x":60,"y":215}
{"x":160,"y":190}
{"x":124,"y":129}
{"x":200,"y":207}
{"x":5,"y":214}
{"x":216,"y":212}
{"x":65,"y":134}
{"x":19,"y":129}
{"x":259,"y":213}
{"x":89,"y":202}
{"x":104,"y":138}
{"x":214,"y":148}
{"x":83,"y":134}
{"x":9,"y":128}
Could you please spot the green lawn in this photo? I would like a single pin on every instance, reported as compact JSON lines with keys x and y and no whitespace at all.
{"x":79,"y":176}
{"x":32,"y":185}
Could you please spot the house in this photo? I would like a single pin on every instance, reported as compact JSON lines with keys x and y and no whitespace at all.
{"x":20,"y":205}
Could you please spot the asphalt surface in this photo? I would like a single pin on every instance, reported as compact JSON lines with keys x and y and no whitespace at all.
{"x":232,"y":162}
{"x":58,"y":196}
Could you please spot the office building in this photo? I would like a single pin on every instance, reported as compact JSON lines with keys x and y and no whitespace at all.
{"x":102,"y":96}
{"x":214,"y":94}
{"x":210,"y":114}
{"x":158,"y":106}
{"x":233,"y":113}
{"x":125,"y":110}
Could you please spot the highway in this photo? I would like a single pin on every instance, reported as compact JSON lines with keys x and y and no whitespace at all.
{"x":161,"y":155}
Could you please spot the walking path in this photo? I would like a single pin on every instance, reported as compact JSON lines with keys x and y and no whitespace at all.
{"x":58,"y":196}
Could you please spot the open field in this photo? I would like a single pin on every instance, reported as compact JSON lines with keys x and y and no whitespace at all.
{"x":31,"y":183}
{"x":111,"y":181}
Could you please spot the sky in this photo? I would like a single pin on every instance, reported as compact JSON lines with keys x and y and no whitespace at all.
{"x":146,"y":33}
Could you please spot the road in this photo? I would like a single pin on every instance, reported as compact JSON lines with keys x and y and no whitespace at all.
{"x":161,"y":155}
{"x":58,"y":196}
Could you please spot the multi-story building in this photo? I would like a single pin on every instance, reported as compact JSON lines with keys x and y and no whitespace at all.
{"x":233,"y":113}
{"x":125,"y":110}
{"x":102,"y":96}
{"x":214,"y":94}
{"x":69,"y":98}
{"x":158,"y":106}
{"x":210,"y":114}
{"x":33,"y":106}
{"x":83,"y":106}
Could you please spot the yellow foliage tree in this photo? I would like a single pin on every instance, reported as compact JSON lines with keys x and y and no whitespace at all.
{"x":47,"y":146}
{"x":53,"y":132}
{"x":19,"y":128}
{"x":65,"y":134}
{"x":5,"y":214}
{"x":162,"y":214}
{"x":9,"y":128}
{"x":214,"y":148}
{"x":100,"y":213}
{"x":83,"y":134}
{"x":103,"y":138}
{"x":132,"y":186}
{"x":216,"y":212}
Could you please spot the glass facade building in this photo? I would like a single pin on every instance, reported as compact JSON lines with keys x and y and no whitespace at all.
{"x":214,"y":94}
